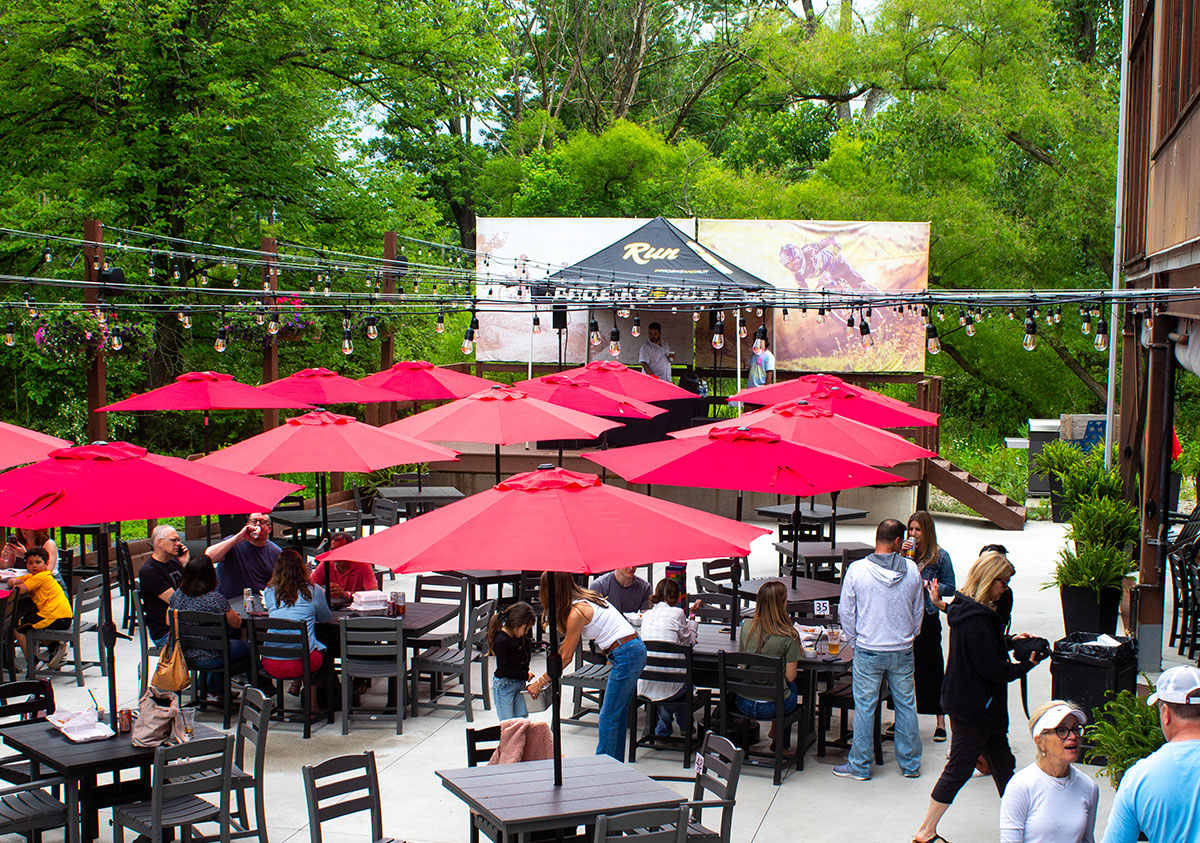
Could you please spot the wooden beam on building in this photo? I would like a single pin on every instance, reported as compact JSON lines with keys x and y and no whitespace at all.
{"x":270,"y":363}
{"x":93,"y":255}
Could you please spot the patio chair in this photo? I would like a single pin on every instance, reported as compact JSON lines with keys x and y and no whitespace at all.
{"x":254,"y":719}
{"x":386,"y":512}
{"x":660,"y":825}
{"x":840,"y":698}
{"x":146,"y":647}
{"x":457,"y":662}
{"x":721,"y":570}
{"x":372,"y":648}
{"x":347,"y":784}
{"x":277,"y":638}
{"x":209,"y":631}
{"x":441,"y":588}
{"x":8,"y":641}
{"x":667,"y":662}
{"x":714,"y":608}
{"x":760,"y":677}
{"x":719,"y":777}
{"x":1184,"y":598}
{"x":125,"y":577}
{"x":23,"y":701}
{"x":28,"y":809}
{"x":181,"y":775}
{"x":588,"y":681}
{"x":89,"y":598}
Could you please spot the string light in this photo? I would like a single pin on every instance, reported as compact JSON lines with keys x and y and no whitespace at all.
{"x":10,"y":335}
{"x":742,"y":327}
{"x":865,"y":329}
{"x":1101,"y":341}
{"x":47,"y":255}
{"x":1058,"y":315}
{"x":185,"y":317}
{"x":372,"y":329}
{"x":115,"y":342}
{"x":594,"y":332}
{"x":932,"y":344}
{"x":718,"y":336}
{"x":1029,"y":343}
{"x":970,"y":326}
{"x":441,"y":323}
{"x":636,"y":330}
{"x":328,"y":288}
{"x":273,"y":323}
{"x":850,"y":325}
{"x":787,"y":316}
{"x":1085,"y":326}
{"x":760,"y":340}
{"x":220,"y":343}
{"x":347,"y":342}
{"x":821,"y":315}
{"x":614,"y":341}
{"x":537,"y":323}
{"x":468,"y":343}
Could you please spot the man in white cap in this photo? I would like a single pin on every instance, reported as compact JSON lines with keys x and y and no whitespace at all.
{"x":1160,"y":795}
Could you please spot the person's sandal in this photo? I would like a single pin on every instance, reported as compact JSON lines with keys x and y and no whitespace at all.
{"x":934,"y":839}
{"x":939,"y":735}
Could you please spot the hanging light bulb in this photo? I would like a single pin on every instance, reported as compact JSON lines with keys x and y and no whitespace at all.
{"x":623,"y":313}
{"x":312,"y":285}
{"x":636,"y":330}
{"x":1095,"y":310}
{"x":220,"y":344}
{"x":718,"y":337}
{"x":594,"y":332}
{"x":970,"y":325}
{"x":742,"y":332}
{"x":1012,"y":314}
{"x":47,"y":255}
{"x":1058,"y":315}
{"x":537,"y":324}
{"x":1101,"y":341}
{"x":260,"y":316}
{"x":266,"y":285}
{"x":468,"y":343}
{"x":185,"y":317}
{"x":1049,"y":316}
{"x":95,"y":263}
{"x":760,"y":340}
{"x":475,"y":325}
{"x":962,"y":317}
{"x":273,"y":323}
{"x":176,"y":271}
{"x":932,"y":344}
{"x":372,"y":328}
{"x":328,"y":288}
{"x":941,"y":313}
{"x":1085,"y":326}
{"x":864,"y":328}
{"x":347,"y":342}
{"x":441,"y":324}
{"x":10,"y":335}
{"x":787,"y":316}
{"x":346,"y":323}
{"x":115,"y":342}
{"x":1030,"y":341}
{"x":102,"y":313}
{"x":850,"y":325}
{"x":821,"y":315}
{"x":150,"y":269}
{"x":614,"y":342}
{"x":696,"y":315}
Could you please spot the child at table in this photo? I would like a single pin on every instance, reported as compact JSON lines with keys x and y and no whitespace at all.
{"x":51,"y":609}
{"x":508,"y":640}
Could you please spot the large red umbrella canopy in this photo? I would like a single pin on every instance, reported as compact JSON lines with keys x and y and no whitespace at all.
{"x":501,"y":416}
{"x":552,"y":519}
{"x":19,"y":445}
{"x":206,"y":391}
{"x":324,"y":386}
{"x":117,"y":481}
{"x":580,"y":395}
{"x":619,"y":378}
{"x":420,"y":380}
{"x":818,"y":427}
{"x":839,"y":397}
{"x":322,"y":441}
{"x":747,"y":459}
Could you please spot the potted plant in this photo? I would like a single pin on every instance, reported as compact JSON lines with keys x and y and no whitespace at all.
{"x":1123,"y":731}
{"x":1089,"y":583}
{"x":1057,"y":460}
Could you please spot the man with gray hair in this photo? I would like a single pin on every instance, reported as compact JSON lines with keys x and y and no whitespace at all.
{"x":158,"y":579}
{"x":1160,"y":795}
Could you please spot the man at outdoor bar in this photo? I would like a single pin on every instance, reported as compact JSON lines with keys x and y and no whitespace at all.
{"x":247,"y":558}
{"x":656,"y":355}
{"x":159,"y":577}
{"x":624,"y":589}
{"x":1160,"y":795}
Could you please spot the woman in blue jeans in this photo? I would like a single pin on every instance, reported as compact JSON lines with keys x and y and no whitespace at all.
{"x":770,"y":633}
{"x":508,"y":641}
{"x":581,"y":613}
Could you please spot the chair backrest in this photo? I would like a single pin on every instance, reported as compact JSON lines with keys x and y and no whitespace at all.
{"x":189,"y":769}
{"x":279,"y":638}
{"x":386,"y":512}
{"x":347,"y":784}
{"x":751,"y":675}
{"x":254,"y":718}
{"x":442,"y":588}
{"x":203,"y":631}
{"x":667,"y":661}
{"x":659,"y":825}
{"x":230,"y":524}
{"x":373,"y":638}
{"x":27,"y":699}
{"x":714,"y":608}
{"x":124,"y":561}
{"x":482,"y":744}
{"x":66,"y":565}
{"x":358,"y":497}
{"x":404,"y":478}
{"x":346,"y":521}
{"x":89,"y":598}
{"x":143,"y":636}
{"x":475,"y":635}
{"x":722,"y":768}
{"x":721,"y":570}
{"x":8,"y":615}
{"x":704,"y":585}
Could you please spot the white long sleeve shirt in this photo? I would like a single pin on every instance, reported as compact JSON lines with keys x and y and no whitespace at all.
{"x":664,"y":622}
{"x":1039,"y":808}
{"x":882,"y":605}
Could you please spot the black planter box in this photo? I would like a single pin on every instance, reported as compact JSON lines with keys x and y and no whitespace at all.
{"x":1082,"y":612}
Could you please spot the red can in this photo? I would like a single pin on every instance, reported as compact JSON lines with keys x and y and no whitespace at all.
{"x":125,"y":719}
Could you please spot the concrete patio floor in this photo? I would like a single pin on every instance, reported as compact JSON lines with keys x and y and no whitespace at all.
{"x":812,"y":806}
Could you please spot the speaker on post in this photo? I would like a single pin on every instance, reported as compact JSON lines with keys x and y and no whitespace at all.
{"x":558,"y":317}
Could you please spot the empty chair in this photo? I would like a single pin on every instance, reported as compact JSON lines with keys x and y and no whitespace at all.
{"x":347,"y":784}
{"x":28,"y":809}
{"x":28,"y":699}
{"x":125,"y":580}
{"x":840,"y":698}
{"x":90,"y":597}
{"x":8,"y":641}
{"x":460,"y":662}
{"x":386,"y":512}
{"x":658,"y":825}
{"x":372,"y":648}
{"x":440,"y":588}
{"x":718,"y":778}
{"x":721,"y":570}
{"x":246,"y":776}
{"x":181,"y":775}
{"x":587,"y":680}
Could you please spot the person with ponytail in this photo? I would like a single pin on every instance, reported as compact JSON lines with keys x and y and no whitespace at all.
{"x":508,"y":641}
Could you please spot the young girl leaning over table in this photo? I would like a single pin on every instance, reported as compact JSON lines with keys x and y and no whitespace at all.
{"x":508,"y":640}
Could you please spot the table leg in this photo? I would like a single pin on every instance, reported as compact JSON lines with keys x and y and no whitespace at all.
{"x":89,"y":810}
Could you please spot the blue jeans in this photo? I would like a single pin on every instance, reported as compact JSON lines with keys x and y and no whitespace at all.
{"x":239,"y":651}
{"x":627,"y":660}
{"x":760,"y":710}
{"x":675,"y":706}
{"x":506,"y":696}
{"x":867,"y":676}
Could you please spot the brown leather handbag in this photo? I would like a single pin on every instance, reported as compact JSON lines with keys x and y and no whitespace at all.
{"x":171,"y":674}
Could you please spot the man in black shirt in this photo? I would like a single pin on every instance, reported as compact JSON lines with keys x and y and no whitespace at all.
{"x":158,"y":579}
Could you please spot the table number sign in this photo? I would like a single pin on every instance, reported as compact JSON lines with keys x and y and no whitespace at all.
{"x":821,"y":607}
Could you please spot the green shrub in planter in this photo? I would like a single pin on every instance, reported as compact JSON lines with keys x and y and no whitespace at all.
{"x":1090,"y":478}
{"x":1103,"y":522}
{"x":1096,"y":567}
{"x":1058,"y":457}
{"x":1123,"y":731}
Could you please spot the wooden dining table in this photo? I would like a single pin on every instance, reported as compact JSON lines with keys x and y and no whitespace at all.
{"x":811,"y":556}
{"x":419,"y":618}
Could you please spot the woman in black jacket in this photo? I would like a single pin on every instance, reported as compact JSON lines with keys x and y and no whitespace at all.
{"x":975,"y":690}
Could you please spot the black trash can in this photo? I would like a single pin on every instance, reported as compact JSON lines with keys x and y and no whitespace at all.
{"x":1083,"y":672}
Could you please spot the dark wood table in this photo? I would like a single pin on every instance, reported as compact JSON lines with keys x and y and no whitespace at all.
{"x":806,"y":589}
{"x":301,"y":521}
{"x":480,"y":581}
{"x":819,"y":514}
{"x":419,"y":618}
{"x":814,"y":555}
{"x":420,"y":500}
{"x":81,"y":763}
{"x":521,"y":798}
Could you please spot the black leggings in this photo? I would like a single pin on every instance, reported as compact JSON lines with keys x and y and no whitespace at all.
{"x":967,"y":743}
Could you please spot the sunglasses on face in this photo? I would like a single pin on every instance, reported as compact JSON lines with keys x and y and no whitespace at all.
{"x":1063,"y":731}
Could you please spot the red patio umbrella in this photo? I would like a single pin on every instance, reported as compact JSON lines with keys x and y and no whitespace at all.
{"x":552,"y":519}
{"x":420,"y":380}
{"x":500,"y":416}
{"x":619,"y":378}
{"x":322,"y":441}
{"x":324,"y":386}
{"x":787,"y":390}
{"x":586,"y":397}
{"x":19,"y":445}
{"x":842,"y":399}
{"x":116,"y":481}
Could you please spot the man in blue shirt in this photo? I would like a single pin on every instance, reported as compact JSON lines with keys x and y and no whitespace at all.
{"x":1160,"y":795}
{"x":246,"y":559}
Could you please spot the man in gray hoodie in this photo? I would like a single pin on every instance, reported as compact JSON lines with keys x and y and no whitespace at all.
{"x":881,"y":609}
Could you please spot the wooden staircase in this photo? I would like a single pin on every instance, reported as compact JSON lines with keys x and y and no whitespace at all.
{"x":995,"y":506}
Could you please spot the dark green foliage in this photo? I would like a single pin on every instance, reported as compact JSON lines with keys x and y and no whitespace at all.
{"x":1127,"y":732}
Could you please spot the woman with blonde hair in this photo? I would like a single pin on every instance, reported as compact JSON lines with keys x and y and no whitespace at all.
{"x":1050,"y":801}
{"x":770,"y":633}
{"x":580,"y":613}
{"x":975,"y":691}
{"x":929,"y":662}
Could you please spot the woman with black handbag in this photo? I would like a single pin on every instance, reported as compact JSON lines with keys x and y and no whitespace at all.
{"x":975,"y":690}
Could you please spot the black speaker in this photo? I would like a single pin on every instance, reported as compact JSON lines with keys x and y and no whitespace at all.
{"x":558,"y":317}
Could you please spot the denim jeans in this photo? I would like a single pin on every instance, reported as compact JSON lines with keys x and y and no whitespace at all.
{"x":506,"y":696}
{"x":761,"y":710}
{"x":675,"y":706}
{"x":867,"y":676}
{"x":627,"y":660}
{"x":239,"y":651}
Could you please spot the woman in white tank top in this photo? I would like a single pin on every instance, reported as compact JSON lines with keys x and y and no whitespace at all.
{"x":580,"y":614}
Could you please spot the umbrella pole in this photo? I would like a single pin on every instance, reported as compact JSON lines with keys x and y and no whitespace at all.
{"x":109,"y":629}
{"x":207,"y":449}
{"x":833,"y":496}
{"x":554,"y":670}
{"x":497,"y":464}
{"x":739,"y":505}
{"x":418,"y":477}
{"x":323,"y":502}
{"x":795,"y":538}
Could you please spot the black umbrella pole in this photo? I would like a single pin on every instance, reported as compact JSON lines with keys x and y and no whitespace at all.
{"x":833,"y":496}
{"x":554,"y":670}
{"x":109,"y":628}
{"x":795,"y":539}
{"x":497,"y":465}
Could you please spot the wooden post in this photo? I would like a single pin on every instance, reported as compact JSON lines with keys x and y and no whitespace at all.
{"x":1159,"y":394}
{"x":270,"y":365}
{"x":1129,"y":452}
{"x":93,"y":255}
{"x":378,"y":414}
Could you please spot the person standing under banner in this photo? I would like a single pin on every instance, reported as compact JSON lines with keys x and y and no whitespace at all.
{"x":655,"y":356}
{"x":762,"y":366}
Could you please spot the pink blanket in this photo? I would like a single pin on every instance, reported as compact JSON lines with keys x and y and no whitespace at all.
{"x":523,"y":740}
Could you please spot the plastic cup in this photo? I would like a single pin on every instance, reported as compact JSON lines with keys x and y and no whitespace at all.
{"x":189,"y":721}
